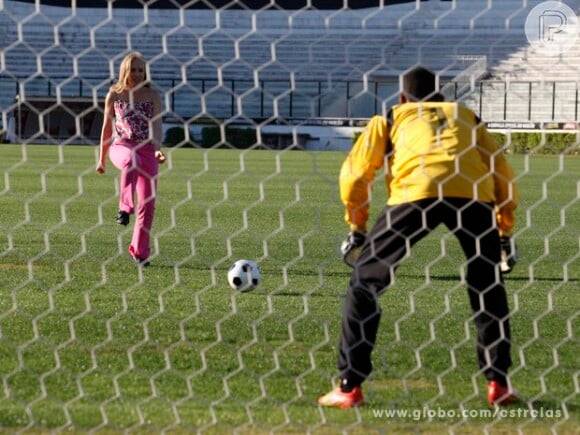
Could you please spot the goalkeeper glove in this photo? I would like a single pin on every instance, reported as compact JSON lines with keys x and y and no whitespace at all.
{"x":509,"y":254}
{"x":351,"y":247}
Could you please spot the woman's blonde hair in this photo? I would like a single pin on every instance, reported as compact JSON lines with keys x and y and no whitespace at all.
{"x":125,"y":72}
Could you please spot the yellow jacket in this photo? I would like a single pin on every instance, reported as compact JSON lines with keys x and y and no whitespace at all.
{"x":428,"y":150}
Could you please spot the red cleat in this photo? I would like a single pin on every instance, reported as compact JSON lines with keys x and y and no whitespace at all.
{"x":498,"y":395}
{"x":339,"y":399}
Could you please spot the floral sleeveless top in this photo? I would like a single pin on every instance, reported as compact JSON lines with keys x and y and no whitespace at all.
{"x":132,"y":121}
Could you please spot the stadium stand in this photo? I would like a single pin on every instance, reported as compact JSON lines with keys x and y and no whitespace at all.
{"x":209,"y":53}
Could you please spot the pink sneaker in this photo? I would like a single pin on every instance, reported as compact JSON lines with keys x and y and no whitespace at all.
{"x":339,"y":399}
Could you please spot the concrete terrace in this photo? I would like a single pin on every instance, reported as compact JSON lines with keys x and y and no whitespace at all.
{"x":66,"y":46}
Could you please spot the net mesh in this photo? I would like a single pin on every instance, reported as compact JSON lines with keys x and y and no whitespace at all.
{"x":260,"y":105}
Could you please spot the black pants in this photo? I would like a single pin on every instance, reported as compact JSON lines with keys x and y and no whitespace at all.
{"x":397,"y":229}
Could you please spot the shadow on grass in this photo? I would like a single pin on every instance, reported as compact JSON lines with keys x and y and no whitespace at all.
{"x":347,"y":272}
{"x":507,"y":278}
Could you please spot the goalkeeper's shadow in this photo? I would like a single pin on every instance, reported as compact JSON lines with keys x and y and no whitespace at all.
{"x":506,"y":277}
{"x":346,"y":273}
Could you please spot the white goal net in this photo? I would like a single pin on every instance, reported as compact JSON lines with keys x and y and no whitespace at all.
{"x":261,"y":101}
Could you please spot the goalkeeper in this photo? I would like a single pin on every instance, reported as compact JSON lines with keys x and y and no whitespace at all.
{"x":442,"y":167}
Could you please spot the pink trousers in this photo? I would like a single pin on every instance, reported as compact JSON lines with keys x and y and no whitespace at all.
{"x":139,"y":169}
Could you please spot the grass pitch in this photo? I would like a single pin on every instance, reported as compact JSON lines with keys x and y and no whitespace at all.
{"x":88,"y":341}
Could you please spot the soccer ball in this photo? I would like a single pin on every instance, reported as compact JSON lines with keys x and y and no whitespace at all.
{"x":244,"y":275}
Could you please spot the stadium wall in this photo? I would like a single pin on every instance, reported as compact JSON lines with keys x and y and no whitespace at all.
{"x":228,"y":4}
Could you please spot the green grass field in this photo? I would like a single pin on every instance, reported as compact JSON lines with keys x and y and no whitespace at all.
{"x":88,"y":341}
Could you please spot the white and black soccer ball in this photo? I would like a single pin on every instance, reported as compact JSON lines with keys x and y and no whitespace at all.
{"x":244,"y":275}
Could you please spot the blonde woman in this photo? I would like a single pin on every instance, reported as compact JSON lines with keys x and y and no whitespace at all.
{"x":131,"y":135}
